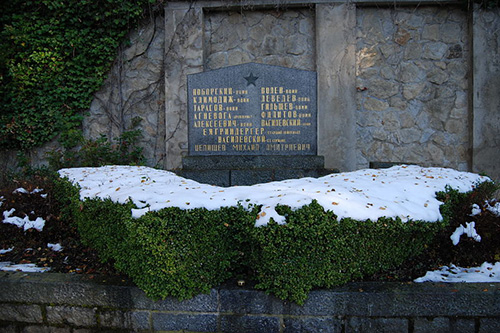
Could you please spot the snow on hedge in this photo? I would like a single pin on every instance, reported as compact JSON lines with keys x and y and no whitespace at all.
{"x":406,"y":191}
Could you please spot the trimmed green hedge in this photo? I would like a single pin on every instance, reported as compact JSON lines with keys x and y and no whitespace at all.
{"x":181,"y":253}
{"x":314,"y":249}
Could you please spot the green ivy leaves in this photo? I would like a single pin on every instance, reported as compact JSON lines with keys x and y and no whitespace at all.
{"x":54,"y":55}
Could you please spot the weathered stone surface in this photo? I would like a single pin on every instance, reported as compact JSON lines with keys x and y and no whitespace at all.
{"x":311,"y":325}
{"x":374,"y":104}
{"x":429,"y":67}
{"x":336,"y":120}
{"x":486,"y":126}
{"x":134,"y":90}
{"x":250,"y":324}
{"x":179,"y":23}
{"x":412,"y":90}
{"x":434,"y":51}
{"x":137,"y":320}
{"x":22,"y":313}
{"x":181,"y":322}
{"x":439,"y":324}
{"x":260,"y":34}
{"x":377,"y":325}
{"x":71,"y":315}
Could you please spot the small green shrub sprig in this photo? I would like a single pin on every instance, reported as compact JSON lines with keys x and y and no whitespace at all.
{"x":102,"y":151}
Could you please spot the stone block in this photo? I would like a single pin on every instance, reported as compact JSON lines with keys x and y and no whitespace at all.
{"x":434,"y":50}
{"x":46,"y":329}
{"x":463,"y":325}
{"x":137,"y":320}
{"x":251,"y":162}
{"x":250,"y":324}
{"x":362,"y":324}
{"x":214,"y":177}
{"x":487,"y":325}
{"x":77,"y":316}
{"x":199,"y":303}
{"x":8,"y":328}
{"x":250,"y":177}
{"x":320,"y":303}
{"x":184,"y":322}
{"x":431,"y":325}
{"x":283,"y":174}
{"x":248,"y":302}
{"x":21,"y":313}
{"x":312,"y":325}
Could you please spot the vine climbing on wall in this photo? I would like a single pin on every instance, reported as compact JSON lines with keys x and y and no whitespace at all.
{"x":54,"y":55}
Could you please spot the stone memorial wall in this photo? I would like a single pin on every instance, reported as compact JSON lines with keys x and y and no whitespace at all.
{"x":395,"y":83}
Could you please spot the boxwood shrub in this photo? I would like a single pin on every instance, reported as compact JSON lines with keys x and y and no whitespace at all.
{"x":181,"y":253}
{"x":314,"y":249}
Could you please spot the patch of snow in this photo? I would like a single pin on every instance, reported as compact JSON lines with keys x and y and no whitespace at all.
{"x":25,"y":191}
{"x":485,"y":273}
{"x":476,"y":210}
{"x":469,"y":230}
{"x":31,"y":268}
{"x":495,"y":210}
{"x":25,"y":222}
{"x":55,"y":247}
{"x":6,"y":251}
{"x":20,"y":190}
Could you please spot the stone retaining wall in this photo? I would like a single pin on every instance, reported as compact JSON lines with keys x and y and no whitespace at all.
{"x":51,"y":302}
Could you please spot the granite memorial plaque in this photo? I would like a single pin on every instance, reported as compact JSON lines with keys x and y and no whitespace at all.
{"x":252,"y":109}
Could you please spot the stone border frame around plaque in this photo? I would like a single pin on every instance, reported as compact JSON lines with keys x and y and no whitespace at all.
{"x":252,"y":109}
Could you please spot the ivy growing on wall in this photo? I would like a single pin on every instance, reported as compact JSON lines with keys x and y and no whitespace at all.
{"x":54,"y":54}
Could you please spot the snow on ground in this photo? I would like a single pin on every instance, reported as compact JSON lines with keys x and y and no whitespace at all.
{"x":486,"y":273}
{"x":55,"y":247}
{"x":407,"y":192}
{"x":24,"y":222}
{"x":7,"y":266}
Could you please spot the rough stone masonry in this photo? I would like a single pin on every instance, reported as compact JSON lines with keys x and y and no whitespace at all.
{"x":400,"y":83}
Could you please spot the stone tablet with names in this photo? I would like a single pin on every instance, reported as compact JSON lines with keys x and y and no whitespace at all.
{"x":252,"y":109}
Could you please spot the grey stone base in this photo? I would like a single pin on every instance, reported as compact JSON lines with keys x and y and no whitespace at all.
{"x":51,"y":302}
{"x":249,"y":170}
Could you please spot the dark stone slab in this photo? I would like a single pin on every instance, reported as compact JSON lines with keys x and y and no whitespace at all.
{"x":385,"y":165}
{"x":427,"y":325}
{"x":214,"y":177}
{"x":250,"y":324}
{"x":312,"y":325}
{"x":252,"y":109}
{"x":248,"y":301}
{"x":250,"y":177}
{"x":393,"y":325}
{"x":181,"y":322}
{"x":489,"y":325}
{"x":252,"y":162}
